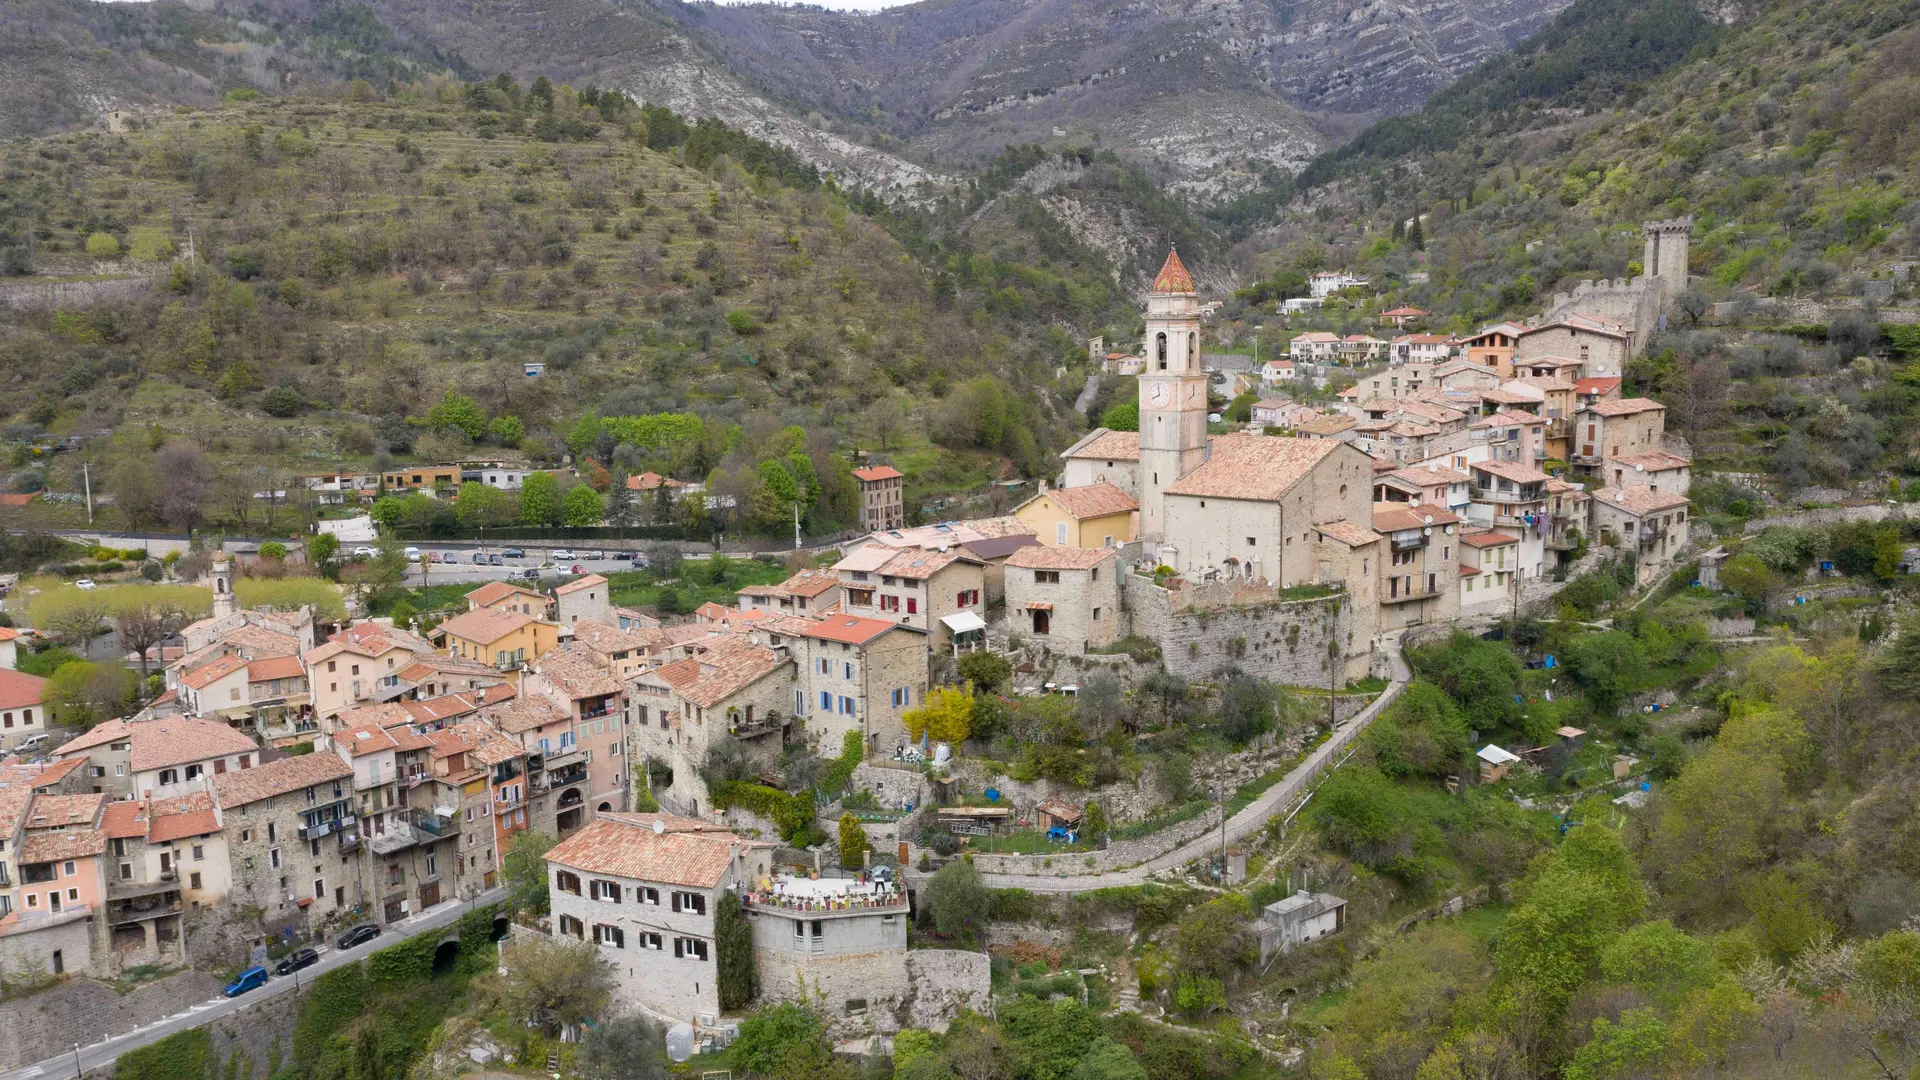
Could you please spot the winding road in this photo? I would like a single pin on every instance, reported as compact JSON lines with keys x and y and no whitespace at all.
{"x":1267,"y":806}
{"x":106,"y":1051}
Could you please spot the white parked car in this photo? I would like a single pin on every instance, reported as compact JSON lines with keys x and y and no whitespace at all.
{"x":84,"y":583}
{"x":563,"y":555}
{"x":413,"y":554}
{"x":364,"y":553}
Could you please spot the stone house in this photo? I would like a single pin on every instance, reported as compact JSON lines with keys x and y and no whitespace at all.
{"x":404,"y":847}
{"x":883,"y":503}
{"x":1098,"y":515}
{"x":1250,"y":510}
{"x":915,"y":587}
{"x":1065,"y":598}
{"x":1419,"y":564}
{"x":1650,"y":524}
{"x":1104,"y":457}
{"x":1443,"y":487}
{"x":293,"y":835}
{"x":992,"y":552}
{"x":833,"y":941}
{"x":1656,"y":469}
{"x":1510,"y":435}
{"x":588,"y":597}
{"x":1593,"y":391}
{"x":731,"y":688}
{"x":806,"y":592}
{"x":1567,"y":515}
{"x":623,"y":653}
{"x":1493,"y":348}
{"x":645,"y":889}
{"x":158,"y":758}
{"x":164,"y":859}
{"x":480,"y":774}
{"x":853,"y":675}
{"x":549,"y":793}
{"x":58,"y":909}
{"x":1610,"y":429}
{"x":1602,"y":347}
{"x":1511,"y":497}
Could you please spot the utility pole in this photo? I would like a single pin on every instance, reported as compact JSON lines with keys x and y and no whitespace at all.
{"x":796,"y":526}
{"x":86,"y":477}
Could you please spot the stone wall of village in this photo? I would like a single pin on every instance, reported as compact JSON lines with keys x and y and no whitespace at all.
{"x":941,"y":983}
{"x":855,"y":991}
{"x":1202,"y":628}
{"x":48,"y":1023}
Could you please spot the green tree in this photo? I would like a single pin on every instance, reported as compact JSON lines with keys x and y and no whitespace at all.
{"x":273,"y":549}
{"x":458,"y":412}
{"x":1605,"y":664}
{"x":624,"y":1048}
{"x":477,"y":506}
{"x":987,"y":671}
{"x":387,"y":511}
{"x":582,"y":508}
{"x":956,"y":899}
{"x":507,"y":430}
{"x":73,"y":614}
{"x":853,"y":843}
{"x":1659,"y":960}
{"x":736,"y":977}
{"x":1748,"y":577}
{"x":525,"y":869}
{"x":291,"y":594}
{"x":1215,"y":938}
{"x":1570,"y":908}
{"x":1630,"y":1049}
{"x":1121,"y":416}
{"x":84,"y":694}
{"x":550,"y":983}
{"x":540,"y":499}
{"x":784,"y":1042}
{"x":1897,"y":664}
{"x":103,"y":246}
{"x":1108,"y":1060}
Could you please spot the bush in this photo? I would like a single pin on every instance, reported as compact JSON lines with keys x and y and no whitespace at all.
{"x":103,"y":246}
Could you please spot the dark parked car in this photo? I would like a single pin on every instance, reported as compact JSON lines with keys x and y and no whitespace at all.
{"x":363,"y":933}
{"x":532,"y":574}
{"x":251,"y":979}
{"x":296,"y":960}
{"x":630,"y":556}
{"x":495,"y":560}
{"x":479,"y":558}
{"x":515,"y":553}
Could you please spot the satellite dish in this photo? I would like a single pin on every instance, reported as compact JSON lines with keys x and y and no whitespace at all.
{"x":659,"y":827}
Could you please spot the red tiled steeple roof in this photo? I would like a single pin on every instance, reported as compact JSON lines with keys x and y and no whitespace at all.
{"x":1173,"y":276}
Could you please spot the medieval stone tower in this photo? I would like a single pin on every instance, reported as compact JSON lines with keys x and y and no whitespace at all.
{"x":1665,"y":261}
{"x":1173,"y":392}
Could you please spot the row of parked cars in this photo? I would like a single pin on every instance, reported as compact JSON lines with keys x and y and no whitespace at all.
{"x":255,"y":977}
{"x":480,"y":558}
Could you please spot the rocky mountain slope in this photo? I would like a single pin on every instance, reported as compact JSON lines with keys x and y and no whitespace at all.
{"x":1212,"y":92}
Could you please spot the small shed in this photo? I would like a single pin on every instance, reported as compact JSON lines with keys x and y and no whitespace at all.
{"x":1298,"y":919}
{"x":533,"y":369}
{"x":972,"y":820}
{"x":1056,"y":814}
{"x":1494,"y":763}
{"x":1570,"y":736}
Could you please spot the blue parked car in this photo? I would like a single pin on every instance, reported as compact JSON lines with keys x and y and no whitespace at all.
{"x":251,"y":979}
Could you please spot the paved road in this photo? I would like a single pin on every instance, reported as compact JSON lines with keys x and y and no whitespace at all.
{"x":1270,"y":804}
{"x":106,"y":1051}
{"x":1086,"y":393}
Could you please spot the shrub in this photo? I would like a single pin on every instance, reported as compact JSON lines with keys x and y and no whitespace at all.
{"x":103,"y":246}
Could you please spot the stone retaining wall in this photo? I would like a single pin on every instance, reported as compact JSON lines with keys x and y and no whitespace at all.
{"x":1118,"y":855}
{"x":50,"y":295}
{"x":1834,"y":515}
{"x":83,"y":1011}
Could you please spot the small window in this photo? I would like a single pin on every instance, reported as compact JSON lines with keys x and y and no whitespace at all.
{"x":1251,"y":542}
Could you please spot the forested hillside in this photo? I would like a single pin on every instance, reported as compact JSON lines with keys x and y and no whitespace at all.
{"x":324,"y":269}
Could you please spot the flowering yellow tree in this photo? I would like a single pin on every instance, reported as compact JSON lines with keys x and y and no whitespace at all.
{"x":946,"y":715}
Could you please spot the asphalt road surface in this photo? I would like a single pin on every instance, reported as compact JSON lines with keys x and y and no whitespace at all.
{"x":449,"y":563}
{"x":105,"y":1052}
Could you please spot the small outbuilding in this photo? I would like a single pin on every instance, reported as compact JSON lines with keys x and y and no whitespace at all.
{"x":1298,"y":919}
{"x":1494,"y":763}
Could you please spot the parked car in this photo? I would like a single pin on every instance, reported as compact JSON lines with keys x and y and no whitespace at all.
{"x":413,"y":554}
{"x":364,"y":552}
{"x":564,"y":556}
{"x":365,"y":932}
{"x":514,"y":553}
{"x":578,"y":569}
{"x":251,"y":979}
{"x":630,"y":556}
{"x":495,"y":560}
{"x":85,"y":583}
{"x":32,"y":743}
{"x":297,"y":959}
{"x":591,"y":555}
{"x":532,"y":574}
{"x":479,"y":558}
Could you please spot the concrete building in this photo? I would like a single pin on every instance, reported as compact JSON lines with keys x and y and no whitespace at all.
{"x":292,"y":834}
{"x":1327,"y":282}
{"x":1104,"y":457}
{"x":1098,"y":515}
{"x":158,"y":758}
{"x":883,"y":501}
{"x":1300,"y":919}
{"x":645,"y":888}
{"x":1489,"y":572}
{"x":1493,"y":348}
{"x":1419,"y":564}
{"x":1065,"y":598}
{"x":23,"y":710}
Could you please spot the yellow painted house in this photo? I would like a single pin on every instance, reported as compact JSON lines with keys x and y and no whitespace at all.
{"x":1090,"y":516}
{"x":502,"y":638}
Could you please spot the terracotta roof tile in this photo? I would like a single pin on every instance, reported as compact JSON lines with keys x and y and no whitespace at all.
{"x":1092,"y":500}
{"x":607,"y":640}
{"x":877,"y":473}
{"x":1640,"y":501}
{"x":1060,"y":558}
{"x":1348,"y":533}
{"x":178,"y":818}
{"x":585,"y":581}
{"x":720,"y":670}
{"x":1625,"y":406}
{"x":809,"y":583}
{"x":278,"y":777}
{"x":1109,"y":446}
{"x":576,"y":674}
{"x":170,"y":740}
{"x":850,"y":629}
{"x":207,"y":674}
{"x":1606,"y":385}
{"x":65,"y":811}
{"x":1398,"y":517}
{"x":1516,"y":471}
{"x":523,"y":714}
{"x":1258,"y":467}
{"x":59,"y":846}
{"x":276,"y":667}
{"x":625,"y":847}
{"x":484,"y":626}
{"x":19,"y":689}
{"x":1487,"y":539}
{"x":495,"y":591}
{"x":652,"y":481}
{"x":1654,"y":461}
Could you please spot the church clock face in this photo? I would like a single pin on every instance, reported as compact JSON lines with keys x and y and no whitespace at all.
{"x":1158,"y":394}
{"x":1196,"y":394}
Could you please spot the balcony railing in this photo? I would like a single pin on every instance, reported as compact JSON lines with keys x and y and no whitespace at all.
{"x":1557,"y":542}
{"x":597,"y":712}
{"x":572,"y":753}
{"x":320,"y":829}
{"x":1651,"y":533}
{"x":849,"y":903}
{"x":748,"y":729}
{"x":576,"y":774}
{"x":398,"y":837}
{"x":142,"y":910}
{"x":1409,"y":597}
{"x":1409,"y":543}
{"x":1526,"y":494}
{"x":503,"y":807}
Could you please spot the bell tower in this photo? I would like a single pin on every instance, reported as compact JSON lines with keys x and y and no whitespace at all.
{"x":1173,"y":392}
{"x":222,"y":585}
